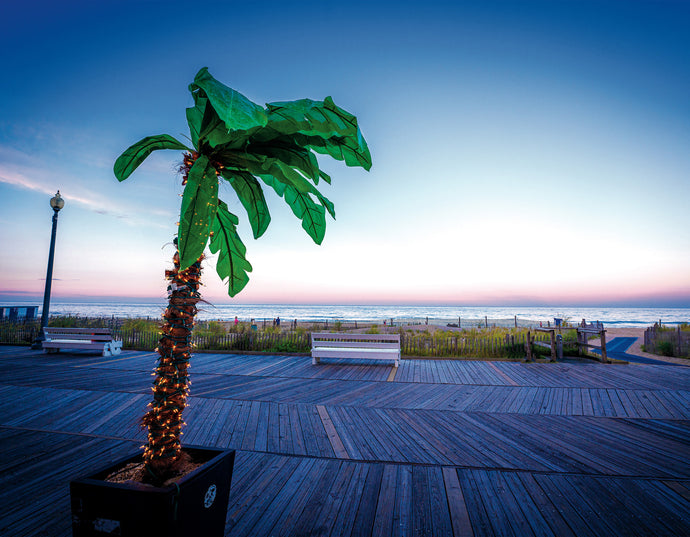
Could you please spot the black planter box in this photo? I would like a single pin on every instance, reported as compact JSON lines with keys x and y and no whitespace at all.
{"x":196,"y":505}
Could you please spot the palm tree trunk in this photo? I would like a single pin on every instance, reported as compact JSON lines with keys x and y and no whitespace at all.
{"x":171,"y":386}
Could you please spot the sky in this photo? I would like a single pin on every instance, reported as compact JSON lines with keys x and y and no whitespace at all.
{"x":527,"y":153}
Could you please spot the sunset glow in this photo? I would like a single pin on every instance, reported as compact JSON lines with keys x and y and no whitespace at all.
{"x":520,"y":156}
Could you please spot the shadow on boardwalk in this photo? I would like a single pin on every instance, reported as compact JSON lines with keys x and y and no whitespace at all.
{"x":441,"y":447}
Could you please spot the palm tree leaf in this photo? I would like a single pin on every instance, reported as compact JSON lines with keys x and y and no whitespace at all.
{"x":232,"y":264}
{"x":199,"y":203}
{"x":206,"y":126}
{"x":251,"y":196}
{"x":313,"y":118}
{"x":282,"y":174}
{"x":285,"y":173}
{"x":328,"y":129}
{"x":325,"y":202}
{"x":195,"y":118}
{"x":135,"y":154}
{"x":340,"y":148}
{"x":312,"y":215}
{"x":293,"y":155}
{"x":234,"y":109}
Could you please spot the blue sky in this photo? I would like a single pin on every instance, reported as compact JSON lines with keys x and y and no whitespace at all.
{"x":523,"y":152}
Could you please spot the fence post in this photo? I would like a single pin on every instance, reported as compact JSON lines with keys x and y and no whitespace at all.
{"x":553,"y":345}
{"x":528,"y":347}
{"x":603,"y":347}
{"x":559,"y":343}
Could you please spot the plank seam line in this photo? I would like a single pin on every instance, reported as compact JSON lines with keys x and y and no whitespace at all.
{"x":332,"y":433}
{"x":503,"y":375}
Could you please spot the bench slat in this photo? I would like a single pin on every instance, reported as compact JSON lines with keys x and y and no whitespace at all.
{"x":355,"y":353}
{"x":368,"y":346}
{"x":61,"y":330}
{"x":79,"y":337}
{"x":100,"y":339}
{"x":355,"y":344}
{"x":335,"y":336}
{"x":62,"y":344}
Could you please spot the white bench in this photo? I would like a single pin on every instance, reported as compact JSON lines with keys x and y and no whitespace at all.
{"x":94,"y":339}
{"x":368,"y":346}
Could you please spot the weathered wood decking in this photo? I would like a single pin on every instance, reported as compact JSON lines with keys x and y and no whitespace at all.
{"x":442,"y":447}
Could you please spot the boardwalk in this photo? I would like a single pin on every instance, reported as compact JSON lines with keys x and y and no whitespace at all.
{"x":438,"y":447}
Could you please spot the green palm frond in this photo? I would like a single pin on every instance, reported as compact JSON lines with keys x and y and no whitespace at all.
{"x":232,"y":264}
{"x":199,"y":203}
{"x":137,"y":153}
{"x":245,"y":143}
{"x":251,"y":195}
{"x":240,"y":115}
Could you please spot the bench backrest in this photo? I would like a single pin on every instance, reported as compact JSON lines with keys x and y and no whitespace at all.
{"x":378,"y":341}
{"x":86,"y":334}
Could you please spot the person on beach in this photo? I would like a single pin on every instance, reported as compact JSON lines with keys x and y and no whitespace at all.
{"x":236,"y":320}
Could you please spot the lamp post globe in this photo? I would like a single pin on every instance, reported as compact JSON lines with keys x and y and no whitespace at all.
{"x":56,"y":203}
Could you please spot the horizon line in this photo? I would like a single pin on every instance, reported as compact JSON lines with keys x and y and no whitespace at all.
{"x":674,"y":303}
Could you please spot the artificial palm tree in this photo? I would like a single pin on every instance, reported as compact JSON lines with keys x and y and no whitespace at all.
{"x":246,"y":145}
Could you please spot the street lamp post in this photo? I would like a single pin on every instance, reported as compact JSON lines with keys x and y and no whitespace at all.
{"x":57,"y":203}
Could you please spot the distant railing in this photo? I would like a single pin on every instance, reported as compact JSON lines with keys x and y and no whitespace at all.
{"x":668,"y":341}
{"x":246,"y":337}
{"x":18,"y":332}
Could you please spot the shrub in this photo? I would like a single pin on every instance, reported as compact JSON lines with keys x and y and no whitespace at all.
{"x":665,"y":348}
{"x":63,"y":322}
{"x":209,"y":329}
{"x":140,"y":325}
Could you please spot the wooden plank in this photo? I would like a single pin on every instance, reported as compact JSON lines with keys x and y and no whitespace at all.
{"x":655,"y":518}
{"x":580,"y":519}
{"x":296,"y":504}
{"x":402,"y":514}
{"x":305,"y":524}
{"x":346,"y":514}
{"x":528,"y":461}
{"x":503,"y":375}
{"x":543,"y":515}
{"x":246,"y":511}
{"x":287,"y":503}
{"x":383,"y":525}
{"x":333,"y":437}
{"x":459,"y":515}
{"x":322,"y":444}
{"x":391,"y":375}
{"x":334,"y":498}
{"x":482,"y":519}
{"x":363,"y":522}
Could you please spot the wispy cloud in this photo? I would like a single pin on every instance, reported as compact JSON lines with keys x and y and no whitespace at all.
{"x":17,"y":169}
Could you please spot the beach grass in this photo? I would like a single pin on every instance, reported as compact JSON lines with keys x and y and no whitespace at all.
{"x":216,"y":336}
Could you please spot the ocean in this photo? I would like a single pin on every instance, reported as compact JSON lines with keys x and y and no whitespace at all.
{"x":468,"y":316}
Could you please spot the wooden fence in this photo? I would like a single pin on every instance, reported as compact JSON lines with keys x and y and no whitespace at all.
{"x":464,"y":345}
{"x":667,"y":341}
{"x":18,"y":332}
{"x":410,"y":345}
